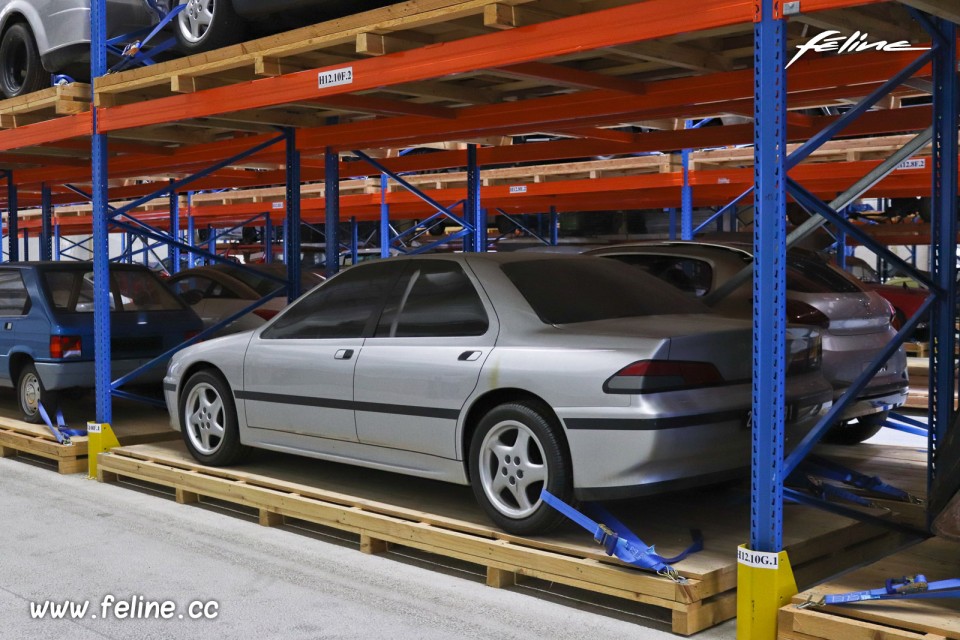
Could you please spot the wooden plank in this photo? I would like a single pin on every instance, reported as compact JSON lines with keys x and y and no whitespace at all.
{"x":703,"y":615}
{"x":500,"y":578}
{"x":935,"y":558}
{"x":269,"y":518}
{"x":371,"y":545}
{"x":804,"y":624}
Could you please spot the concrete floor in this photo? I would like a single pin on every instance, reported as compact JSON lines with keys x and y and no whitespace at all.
{"x":69,"y":538}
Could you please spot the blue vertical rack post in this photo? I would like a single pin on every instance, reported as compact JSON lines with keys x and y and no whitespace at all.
{"x":292,"y":238}
{"x":174,"y":252}
{"x":554,"y":226}
{"x":764,"y":578}
{"x":101,"y":240}
{"x":384,"y":217}
{"x":46,"y":223}
{"x":13,"y":220}
{"x":332,"y":210}
{"x":471,"y":208}
{"x":268,"y":239}
{"x":943,"y":243}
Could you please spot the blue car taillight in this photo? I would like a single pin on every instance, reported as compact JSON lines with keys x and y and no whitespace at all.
{"x":648,"y":376}
{"x":64,"y":347}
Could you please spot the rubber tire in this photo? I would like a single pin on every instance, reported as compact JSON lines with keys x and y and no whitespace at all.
{"x":557,"y":458}
{"x":857,"y":430}
{"x":47,"y":398}
{"x":227,"y":28}
{"x":231,"y":450}
{"x":35,"y":77}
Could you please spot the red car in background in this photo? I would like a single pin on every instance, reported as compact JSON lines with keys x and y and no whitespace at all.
{"x":906,"y":300}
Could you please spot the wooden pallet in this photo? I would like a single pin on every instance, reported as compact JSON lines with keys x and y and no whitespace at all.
{"x":18,"y":437}
{"x":387,"y":509}
{"x":937,"y":559}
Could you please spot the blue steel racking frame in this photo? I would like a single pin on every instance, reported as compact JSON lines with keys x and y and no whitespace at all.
{"x":770,"y":242}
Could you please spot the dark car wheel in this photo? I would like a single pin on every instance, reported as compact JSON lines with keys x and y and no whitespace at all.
{"x":208,"y":24}
{"x":516,"y":452}
{"x":857,"y":430}
{"x":21,"y":71}
{"x":31,"y":392}
{"x":208,"y":420}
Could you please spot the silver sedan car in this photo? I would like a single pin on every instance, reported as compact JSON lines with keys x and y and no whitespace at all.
{"x":855,"y":323}
{"x":509,"y":372}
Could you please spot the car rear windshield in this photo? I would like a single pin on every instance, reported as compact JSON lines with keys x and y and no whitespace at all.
{"x":569,"y":290}
{"x":813,"y":275}
{"x":262,"y":283}
{"x":71,"y":291}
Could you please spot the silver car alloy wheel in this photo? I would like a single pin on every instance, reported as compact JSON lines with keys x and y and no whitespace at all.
{"x":196,"y":19}
{"x":30,"y":392}
{"x":512,"y":465}
{"x":204,"y":418}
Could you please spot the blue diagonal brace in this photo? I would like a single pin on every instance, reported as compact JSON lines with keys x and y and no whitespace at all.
{"x":412,"y":189}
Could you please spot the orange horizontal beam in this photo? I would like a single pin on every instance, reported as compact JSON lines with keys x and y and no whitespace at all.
{"x":49,"y":131}
{"x":605,"y":28}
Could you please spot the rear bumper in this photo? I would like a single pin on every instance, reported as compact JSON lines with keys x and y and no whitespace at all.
{"x":875,"y":399}
{"x":67,"y":375}
{"x":619,"y":453}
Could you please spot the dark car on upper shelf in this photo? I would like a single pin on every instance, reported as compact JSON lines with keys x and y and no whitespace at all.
{"x":855,"y":323}
{"x":47,"y":342}
{"x":44,"y":37}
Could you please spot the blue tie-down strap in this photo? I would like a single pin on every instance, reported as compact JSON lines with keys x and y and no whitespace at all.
{"x":906,"y":588}
{"x":620,"y":542}
{"x":824,"y":468}
{"x":60,"y":431}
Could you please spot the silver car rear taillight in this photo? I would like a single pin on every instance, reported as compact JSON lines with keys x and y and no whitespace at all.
{"x":648,"y":376}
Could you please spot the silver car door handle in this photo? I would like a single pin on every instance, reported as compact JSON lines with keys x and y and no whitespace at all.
{"x":469,"y":356}
{"x":344,"y":354}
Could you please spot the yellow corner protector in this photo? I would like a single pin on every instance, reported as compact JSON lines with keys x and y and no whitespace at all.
{"x":100,"y":438}
{"x":764,"y":584}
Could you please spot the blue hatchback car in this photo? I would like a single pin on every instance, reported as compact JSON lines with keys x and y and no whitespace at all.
{"x":46,"y":327}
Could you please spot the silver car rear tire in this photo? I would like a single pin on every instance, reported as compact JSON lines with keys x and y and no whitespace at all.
{"x":515,"y":452}
{"x":857,"y":430}
{"x":208,"y":420}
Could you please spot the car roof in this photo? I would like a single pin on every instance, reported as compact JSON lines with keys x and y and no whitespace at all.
{"x":688,"y":247}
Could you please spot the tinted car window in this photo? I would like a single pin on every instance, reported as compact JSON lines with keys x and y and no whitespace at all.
{"x":569,"y":290}
{"x":435,"y":298}
{"x":687,"y":274}
{"x":340,"y":308}
{"x":13,"y":294}
{"x":812,"y":275}
{"x":258,"y":280}
{"x":72,"y":291}
{"x":187,"y":284}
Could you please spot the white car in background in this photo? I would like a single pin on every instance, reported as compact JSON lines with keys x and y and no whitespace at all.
{"x":217,"y":292}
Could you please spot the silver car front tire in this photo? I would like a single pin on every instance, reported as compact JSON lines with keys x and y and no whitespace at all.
{"x":208,"y":420}
{"x":515,"y":453}
{"x":208,"y":24}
